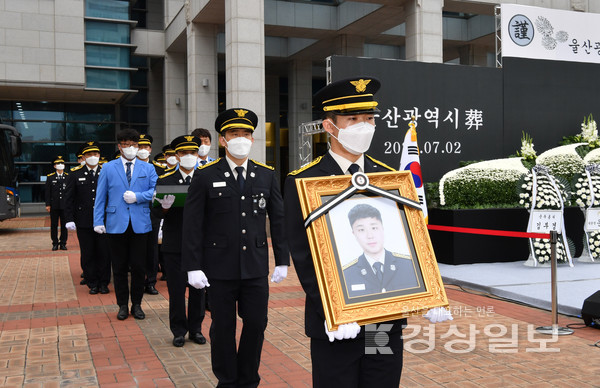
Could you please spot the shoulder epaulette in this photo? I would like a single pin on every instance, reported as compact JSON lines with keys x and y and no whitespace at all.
{"x":298,"y":171}
{"x":52,"y":173}
{"x":201,"y":166}
{"x":263,"y":165}
{"x":167,"y":174}
{"x":169,"y":169}
{"x":350,"y":264}
{"x":380,"y":163}
{"x":77,"y":168}
{"x":154,"y":162}
{"x":400,"y":255}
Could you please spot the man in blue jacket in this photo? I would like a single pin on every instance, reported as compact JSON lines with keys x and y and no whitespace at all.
{"x":121,"y":210}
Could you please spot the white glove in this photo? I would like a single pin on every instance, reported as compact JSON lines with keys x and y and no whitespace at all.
{"x":279,"y":273}
{"x":345,"y":331}
{"x":167,"y":201}
{"x":99,"y":229}
{"x":197,"y":279}
{"x":438,"y":314}
{"x":129,"y":197}
{"x":70,"y":226}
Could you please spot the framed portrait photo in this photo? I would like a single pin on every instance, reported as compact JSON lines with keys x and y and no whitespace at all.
{"x":372,"y":254}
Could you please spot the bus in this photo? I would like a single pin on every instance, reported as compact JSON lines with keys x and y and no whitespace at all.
{"x":10,"y":148}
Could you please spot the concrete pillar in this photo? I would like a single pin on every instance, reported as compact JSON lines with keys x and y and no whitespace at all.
{"x":175,"y":95}
{"x":424,"y":35}
{"x":350,"y":45}
{"x":471,"y":54}
{"x":202,"y":102}
{"x":245,"y":63}
{"x":300,"y":105}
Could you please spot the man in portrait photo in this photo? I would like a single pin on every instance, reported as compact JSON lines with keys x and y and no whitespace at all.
{"x":376,"y":270}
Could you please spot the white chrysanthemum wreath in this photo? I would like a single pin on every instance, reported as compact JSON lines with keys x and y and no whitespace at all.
{"x":541,"y":192}
{"x":587,"y":195}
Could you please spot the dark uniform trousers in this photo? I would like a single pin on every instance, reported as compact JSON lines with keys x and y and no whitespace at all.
{"x":224,"y":235}
{"x":128,"y":250}
{"x":80,"y":196}
{"x":55,"y":198}
{"x":179,"y":322}
{"x":341,"y":363}
{"x":152,"y":252}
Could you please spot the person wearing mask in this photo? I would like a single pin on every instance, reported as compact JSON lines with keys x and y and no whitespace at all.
{"x":348,"y":110}
{"x":56,"y":183}
{"x":143,"y":154}
{"x":122,"y":210}
{"x":206,"y":138}
{"x":170,"y":158}
{"x":225,"y":246}
{"x":186,"y":151}
{"x":79,"y":214}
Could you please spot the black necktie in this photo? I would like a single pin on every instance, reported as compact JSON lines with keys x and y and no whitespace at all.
{"x":240,"y":177}
{"x":353,"y":168}
{"x":188,"y":180}
{"x":378,"y":266}
{"x":128,"y":172}
{"x":92,"y":172}
{"x":203,"y":162}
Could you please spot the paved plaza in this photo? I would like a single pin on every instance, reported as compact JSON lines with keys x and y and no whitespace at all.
{"x":54,"y":334}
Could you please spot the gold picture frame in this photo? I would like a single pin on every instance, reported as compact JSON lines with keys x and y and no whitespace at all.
{"x":345,"y":284}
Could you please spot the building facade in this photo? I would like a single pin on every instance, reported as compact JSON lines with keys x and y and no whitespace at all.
{"x":78,"y":70}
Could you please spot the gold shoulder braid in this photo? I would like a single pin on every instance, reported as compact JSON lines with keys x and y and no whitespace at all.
{"x":263,"y":165}
{"x":167,"y":174}
{"x":350,"y":264}
{"x":380,"y":163}
{"x":400,"y":255}
{"x":298,"y":171}
{"x":77,"y":167}
{"x":201,"y":166}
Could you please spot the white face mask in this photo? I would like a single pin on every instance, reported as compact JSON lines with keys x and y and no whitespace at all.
{"x":239,"y":147}
{"x":203,"y":150}
{"x":60,"y":166}
{"x":143,"y":154}
{"x":130,"y":152}
{"x":188,"y":161}
{"x":172,"y":160}
{"x":356,"y":138}
{"x":82,"y":162}
{"x":92,"y":160}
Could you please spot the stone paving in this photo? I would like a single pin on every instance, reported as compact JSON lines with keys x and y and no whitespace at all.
{"x":54,"y":334}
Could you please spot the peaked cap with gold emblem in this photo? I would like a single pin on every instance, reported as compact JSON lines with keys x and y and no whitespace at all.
{"x":59,"y":159}
{"x":236,"y":118}
{"x":90,"y":146}
{"x":145,"y":139}
{"x":186,"y":143}
{"x":348,"y":97}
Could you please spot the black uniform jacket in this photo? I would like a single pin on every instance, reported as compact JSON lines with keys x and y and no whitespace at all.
{"x":398,"y":274}
{"x":55,"y":191}
{"x":224,"y":229}
{"x":173,"y":218}
{"x":298,"y":240}
{"x":80,"y":196}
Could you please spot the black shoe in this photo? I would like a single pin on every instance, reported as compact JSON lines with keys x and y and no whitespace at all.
{"x":179,"y":341}
{"x":198,"y":338}
{"x":151,"y":290}
{"x":82,"y":282}
{"x":82,"y":274}
{"x":137,"y":312}
{"x":55,"y":247}
{"x":93,"y":290}
{"x":123,"y":312}
{"x":63,"y":247}
{"x":163,"y":277}
{"x":104,"y":290}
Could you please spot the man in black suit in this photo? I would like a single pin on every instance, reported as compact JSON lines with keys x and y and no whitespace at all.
{"x":79,"y":214}
{"x":186,"y":151}
{"x":376,"y":270}
{"x":225,"y":241}
{"x":348,"y":109}
{"x":56,"y":183}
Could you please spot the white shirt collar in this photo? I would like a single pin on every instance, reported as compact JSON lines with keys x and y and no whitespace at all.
{"x":184,"y":175}
{"x":373,"y":261}
{"x":232,"y":166}
{"x":123,"y":160}
{"x":345,"y":163}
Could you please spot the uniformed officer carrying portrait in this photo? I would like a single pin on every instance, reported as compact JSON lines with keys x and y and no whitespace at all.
{"x":55,"y":203}
{"x":225,"y":246}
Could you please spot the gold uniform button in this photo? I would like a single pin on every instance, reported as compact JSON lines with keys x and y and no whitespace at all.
{"x":243,"y":214}
{"x":244,"y":248}
{"x":243,"y":197}
{"x":243,"y":231}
